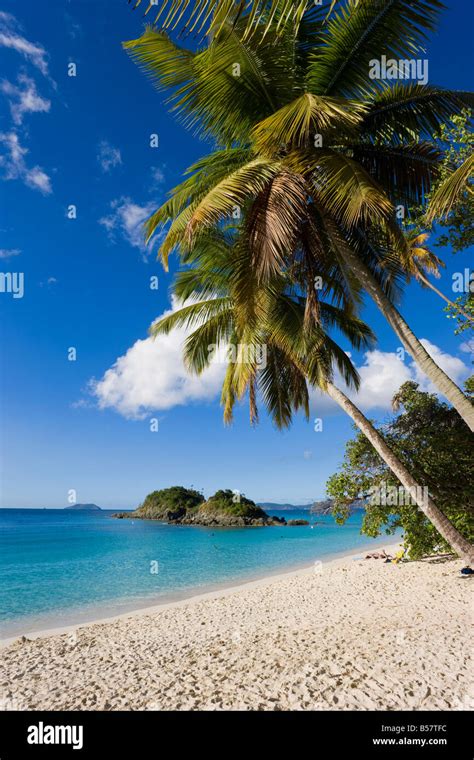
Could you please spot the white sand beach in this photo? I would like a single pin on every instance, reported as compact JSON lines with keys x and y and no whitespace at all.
{"x":351,"y":634}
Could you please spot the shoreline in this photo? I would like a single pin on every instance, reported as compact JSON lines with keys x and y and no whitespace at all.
{"x":354,"y":635}
{"x":212,"y":591}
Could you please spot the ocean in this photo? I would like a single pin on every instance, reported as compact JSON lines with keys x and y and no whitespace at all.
{"x":60,"y":567}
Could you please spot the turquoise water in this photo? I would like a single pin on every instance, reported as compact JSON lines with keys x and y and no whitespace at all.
{"x":60,"y":567}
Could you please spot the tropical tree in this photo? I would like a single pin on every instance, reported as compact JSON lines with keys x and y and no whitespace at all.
{"x":316,"y":157}
{"x":463,"y":306}
{"x":226,"y":304}
{"x":454,"y":216}
{"x":449,"y":192}
{"x":430,"y":438}
{"x":420,"y":261}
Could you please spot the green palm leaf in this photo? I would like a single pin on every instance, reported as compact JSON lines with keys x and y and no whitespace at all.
{"x":296,"y":124}
{"x":232,"y":192}
{"x":189,"y":316}
{"x":204,"y":175}
{"x":200,"y":346}
{"x":221,"y":90}
{"x":283,"y":387}
{"x":361,"y":31}
{"x":406,"y":172}
{"x":343,"y":186}
{"x":164,"y":62}
{"x":450,"y":191}
{"x":400,"y":111}
{"x":199,"y":16}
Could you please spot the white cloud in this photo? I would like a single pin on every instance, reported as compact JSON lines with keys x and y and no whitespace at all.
{"x":11,"y":37}
{"x":467,"y":347}
{"x":14,"y":166}
{"x":381,"y":375}
{"x":49,"y":282}
{"x":157,"y":177}
{"x":74,"y":28}
{"x":37,"y":179}
{"x":108,"y":156}
{"x":15,"y":153}
{"x":151,"y":376}
{"x":24,"y":99}
{"x":8,"y":253}
{"x":383,"y":372}
{"x":127,"y":219}
{"x":454,"y":367}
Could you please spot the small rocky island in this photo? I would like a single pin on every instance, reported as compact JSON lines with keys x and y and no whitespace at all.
{"x":89,"y":507}
{"x":185,"y":506}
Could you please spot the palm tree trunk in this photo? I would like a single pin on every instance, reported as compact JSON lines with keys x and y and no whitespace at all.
{"x":444,"y":527}
{"x":440,"y":379}
{"x":456,"y":306}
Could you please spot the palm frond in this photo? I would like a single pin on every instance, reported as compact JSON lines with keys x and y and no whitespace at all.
{"x":208,"y":268}
{"x":400,"y":111}
{"x":418,"y":260}
{"x":175,"y":237}
{"x":221,"y":90}
{"x":338,"y":358}
{"x":232,"y":192}
{"x":354,"y":329}
{"x":274,"y":220}
{"x":164,"y":62}
{"x":283,"y":388}
{"x":205,"y":16}
{"x":450,"y":191}
{"x":296,"y":124}
{"x":343,"y":186}
{"x":377,"y":249}
{"x":361,"y":31}
{"x":189,"y":316}
{"x":203,"y":175}
{"x":205,"y":340}
{"x":406,"y":172}
{"x":228,"y":395}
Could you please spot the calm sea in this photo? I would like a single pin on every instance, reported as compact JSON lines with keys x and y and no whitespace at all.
{"x":60,"y":567}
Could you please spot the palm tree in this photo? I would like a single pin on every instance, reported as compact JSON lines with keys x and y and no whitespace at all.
{"x":421,"y":261}
{"x":230,"y":305}
{"x":304,"y":138}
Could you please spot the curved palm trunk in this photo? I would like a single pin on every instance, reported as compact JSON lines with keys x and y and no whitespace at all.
{"x":444,"y":527}
{"x":445,"y":385}
{"x":445,"y":298}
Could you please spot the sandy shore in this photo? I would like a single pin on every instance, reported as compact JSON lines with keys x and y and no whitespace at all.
{"x":347,"y":634}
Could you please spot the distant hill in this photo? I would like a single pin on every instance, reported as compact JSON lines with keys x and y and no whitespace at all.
{"x":90,"y":507}
{"x":284,"y":507}
{"x":316,"y":507}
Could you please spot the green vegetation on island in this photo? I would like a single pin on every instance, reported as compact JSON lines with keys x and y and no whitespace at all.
{"x":169,"y":504}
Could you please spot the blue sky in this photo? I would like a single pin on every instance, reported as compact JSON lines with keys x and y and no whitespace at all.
{"x":84,"y":140}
